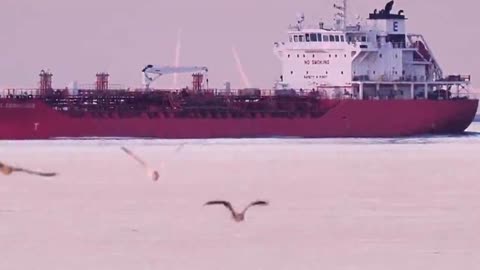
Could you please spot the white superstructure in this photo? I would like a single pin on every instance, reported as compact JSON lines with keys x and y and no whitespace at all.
{"x":364,"y":58}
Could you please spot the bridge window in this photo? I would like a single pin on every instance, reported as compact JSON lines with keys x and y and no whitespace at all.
{"x":337,"y":38}
{"x":319,"y":37}
{"x":291,"y":39}
{"x":364,"y":39}
{"x":301,"y":38}
{"x":325,"y":38}
{"x":295,"y":38}
{"x":307,"y":37}
{"x":313,"y":37}
{"x":332,"y":38}
{"x":342,"y":38}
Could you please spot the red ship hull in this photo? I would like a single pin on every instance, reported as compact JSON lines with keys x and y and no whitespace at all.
{"x":34,"y":119}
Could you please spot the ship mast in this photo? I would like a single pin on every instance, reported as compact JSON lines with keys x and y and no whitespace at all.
{"x":342,"y":14}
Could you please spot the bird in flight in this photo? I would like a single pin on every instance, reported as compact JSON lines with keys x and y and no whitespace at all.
{"x":7,"y":170}
{"x":237,"y":216}
{"x":150,"y":172}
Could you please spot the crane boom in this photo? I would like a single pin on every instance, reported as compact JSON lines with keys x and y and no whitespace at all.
{"x":158,"y":71}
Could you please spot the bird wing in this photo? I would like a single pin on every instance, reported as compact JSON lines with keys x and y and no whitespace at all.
{"x":255,"y":203}
{"x":130,"y":153}
{"x":224,"y":203}
{"x":44,"y":174}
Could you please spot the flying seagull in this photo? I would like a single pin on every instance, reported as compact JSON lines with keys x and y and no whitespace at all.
{"x":238,"y":217}
{"x":7,"y":170}
{"x":150,"y":172}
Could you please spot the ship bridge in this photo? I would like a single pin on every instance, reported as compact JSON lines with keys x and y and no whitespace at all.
{"x":362,"y":58}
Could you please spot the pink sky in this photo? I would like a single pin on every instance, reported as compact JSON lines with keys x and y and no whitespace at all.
{"x":76,"y":39}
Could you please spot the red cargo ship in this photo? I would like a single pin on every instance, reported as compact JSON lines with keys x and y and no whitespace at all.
{"x":366,"y":79}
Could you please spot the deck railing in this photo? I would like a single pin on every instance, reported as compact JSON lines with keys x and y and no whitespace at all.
{"x":321,"y":93}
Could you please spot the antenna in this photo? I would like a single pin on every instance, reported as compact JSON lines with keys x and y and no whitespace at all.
{"x":343,"y":13}
{"x":300,"y":18}
{"x":246,"y":82}
{"x":177,"y":56}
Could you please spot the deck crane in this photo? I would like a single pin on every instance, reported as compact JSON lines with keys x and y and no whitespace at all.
{"x":150,"y":73}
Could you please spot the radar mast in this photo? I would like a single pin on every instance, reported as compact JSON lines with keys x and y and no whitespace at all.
{"x":341,"y":17}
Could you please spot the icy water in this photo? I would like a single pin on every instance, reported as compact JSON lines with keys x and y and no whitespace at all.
{"x":347,"y":204}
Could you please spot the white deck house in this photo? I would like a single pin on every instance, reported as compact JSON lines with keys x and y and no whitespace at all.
{"x":372,"y":59}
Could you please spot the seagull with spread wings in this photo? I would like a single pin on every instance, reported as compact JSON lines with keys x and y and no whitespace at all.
{"x":8,"y":170}
{"x":150,"y":172}
{"x":237,"y":216}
